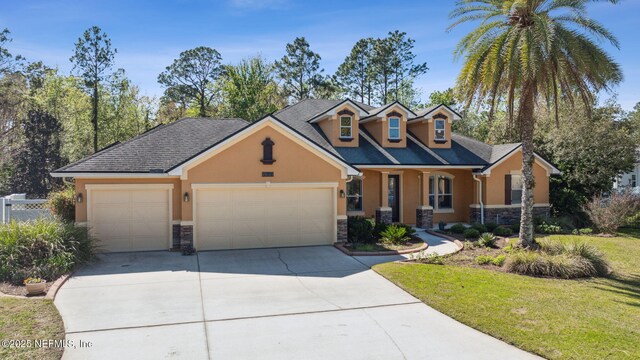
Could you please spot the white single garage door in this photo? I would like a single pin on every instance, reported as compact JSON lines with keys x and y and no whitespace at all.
{"x":130,"y":219}
{"x":239,"y":218}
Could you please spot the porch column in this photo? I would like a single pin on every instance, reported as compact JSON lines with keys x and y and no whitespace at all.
{"x":424,"y":212}
{"x":383,"y":213}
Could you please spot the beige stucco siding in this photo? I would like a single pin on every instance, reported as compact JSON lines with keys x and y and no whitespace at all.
{"x":81,"y":208}
{"x":331,"y":127}
{"x":379,"y":129}
{"x":424,"y":130}
{"x":495,"y":181}
{"x":240,"y":163}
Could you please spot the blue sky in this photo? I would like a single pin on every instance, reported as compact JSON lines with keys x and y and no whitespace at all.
{"x":150,"y":34}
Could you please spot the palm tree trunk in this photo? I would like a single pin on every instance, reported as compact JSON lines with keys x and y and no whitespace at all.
{"x":527,"y":123}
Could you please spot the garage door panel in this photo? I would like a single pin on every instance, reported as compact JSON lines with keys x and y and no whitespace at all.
{"x":130,"y":220}
{"x":262,"y":217}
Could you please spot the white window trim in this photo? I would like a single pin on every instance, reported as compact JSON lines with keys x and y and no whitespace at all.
{"x":434,"y":204}
{"x":435,"y":130}
{"x":361,"y":196}
{"x":350,"y":127}
{"x":393,"y":128}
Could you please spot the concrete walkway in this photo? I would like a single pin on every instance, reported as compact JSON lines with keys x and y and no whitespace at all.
{"x":438,"y":245}
{"x":288,"y":303}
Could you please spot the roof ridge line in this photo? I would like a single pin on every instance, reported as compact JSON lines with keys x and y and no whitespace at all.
{"x":378,"y":147}
{"x":426,"y":148}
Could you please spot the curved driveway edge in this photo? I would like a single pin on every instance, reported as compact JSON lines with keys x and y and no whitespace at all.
{"x":311,"y":303}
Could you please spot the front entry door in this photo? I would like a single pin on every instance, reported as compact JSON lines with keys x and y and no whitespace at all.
{"x":394,"y":197}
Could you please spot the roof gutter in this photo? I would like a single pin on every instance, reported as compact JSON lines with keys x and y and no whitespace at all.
{"x":96,"y":175}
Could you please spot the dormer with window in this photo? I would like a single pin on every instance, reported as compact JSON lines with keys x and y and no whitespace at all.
{"x":340,"y":124}
{"x":388,"y":125}
{"x":432,"y":126}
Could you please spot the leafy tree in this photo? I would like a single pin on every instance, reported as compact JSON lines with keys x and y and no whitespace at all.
{"x":191,"y":76}
{"x":590,"y":148}
{"x":299,"y":70}
{"x":355,"y":74}
{"x":38,"y":155}
{"x":445,"y":97}
{"x":93,"y":56}
{"x":528,"y":50}
{"x":250,"y":90}
{"x":8,"y":62}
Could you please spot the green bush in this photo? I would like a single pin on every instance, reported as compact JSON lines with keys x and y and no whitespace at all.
{"x":360,"y":230}
{"x":480,"y":227}
{"x":487,"y":240}
{"x":62,"y":204}
{"x":583,"y":231}
{"x":395,"y":235}
{"x":42,"y":248}
{"x":487,"y":259}
{"x":558,"y":260}
{"x":490,"y":226}
{"x":549,"y":229}
{"x":457,"y":228}
{"x":515,"y":227}
{"x":499,"y":260}
{"x":471,"y":234}
{"x":431,"y":258}
{"x":410,"y":229}
{"x":378,"y":229}
{"x":502,"y":231}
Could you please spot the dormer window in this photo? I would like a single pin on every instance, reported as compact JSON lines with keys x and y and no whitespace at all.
{"x":345,"y":127}
{"x":440,"y":132}
{"x":394,"y":128}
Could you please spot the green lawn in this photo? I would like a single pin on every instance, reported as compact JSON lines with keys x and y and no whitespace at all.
{"x":29,"y":319}
{"x":558,"y":319}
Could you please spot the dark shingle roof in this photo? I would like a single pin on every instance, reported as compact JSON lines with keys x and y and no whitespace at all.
{"x":160,"y":148}
{"x":167,"y":146}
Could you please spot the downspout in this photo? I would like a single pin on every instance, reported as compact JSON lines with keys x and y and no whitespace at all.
{"x":475,"y":177}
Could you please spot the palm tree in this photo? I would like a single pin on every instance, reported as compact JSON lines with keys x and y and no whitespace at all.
{"x":524,"y":51}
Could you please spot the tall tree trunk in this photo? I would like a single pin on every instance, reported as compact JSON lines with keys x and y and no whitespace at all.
{"x":203,"y":112}
{"x":527,"y":123}
{"x":94,"y":116}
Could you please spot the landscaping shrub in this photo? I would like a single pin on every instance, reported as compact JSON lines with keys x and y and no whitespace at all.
{"x":487,"y":240}
{"x":62,"y":204}
{"x":395,"y":235}
{"x":549,"y":229}
{"x":583,"y":231}
{"x":608,"y":214}
{"x":480,"y":227}
{"x":502,"y":231}
{"x":490,"y":226}
{"x":378,"y":228}
{"x":471,"y":234}
{"x":410,"y":229}
{"x":457,"y":228}
{"x":555,"y":259}
{"x":431,"y":258}
{"x":487,"y":259}
{"x":360,"y":230}
{"x":515,"y":227}
{"x":41,"y":248}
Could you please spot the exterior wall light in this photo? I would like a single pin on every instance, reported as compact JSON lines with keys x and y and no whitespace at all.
{"x":342,"y":194}
{"x":186,"y":197}
{"x":79,"y":198}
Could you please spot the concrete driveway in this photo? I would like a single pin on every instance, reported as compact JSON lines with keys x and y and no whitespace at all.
{"x":288,"y":303}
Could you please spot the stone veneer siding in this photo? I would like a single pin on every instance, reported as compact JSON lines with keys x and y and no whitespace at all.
{"x":505,"y":215}
{"x":186,"y":236}
{"x":424,"y":218}
{"x":342,"y":231}
{"x":384,"y":216}
{"x":176,"y":236}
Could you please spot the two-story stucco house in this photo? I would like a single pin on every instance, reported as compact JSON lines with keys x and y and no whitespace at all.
{"x":293,"y":178}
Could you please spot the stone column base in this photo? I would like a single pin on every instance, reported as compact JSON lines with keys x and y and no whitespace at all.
{"x":186,"y":239}
{"x":424,"y":217}
{"x":342,"y":231}
{"x":384,"y":215}
{"x":176,"y":237}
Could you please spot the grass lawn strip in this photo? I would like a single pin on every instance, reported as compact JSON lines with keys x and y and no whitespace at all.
{"x":558,"y":319}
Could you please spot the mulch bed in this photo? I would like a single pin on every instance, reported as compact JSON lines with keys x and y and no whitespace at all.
{"x":21,"y":290}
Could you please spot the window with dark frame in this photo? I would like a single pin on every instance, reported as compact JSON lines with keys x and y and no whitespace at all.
{"x":345,"y":127}
{"x":394,"y":128}
{"x":441,"y":189}
{"x":440,"y":130}
{"x":354,"y":195}
{"x":516,"y":189}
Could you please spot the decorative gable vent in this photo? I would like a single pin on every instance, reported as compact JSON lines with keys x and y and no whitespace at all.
{"x":267,"y":152}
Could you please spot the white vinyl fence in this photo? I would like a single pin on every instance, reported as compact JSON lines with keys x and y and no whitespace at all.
{"x":17,"y":207}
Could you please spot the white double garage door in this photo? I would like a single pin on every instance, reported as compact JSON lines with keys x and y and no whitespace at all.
{"x":225,"y":217}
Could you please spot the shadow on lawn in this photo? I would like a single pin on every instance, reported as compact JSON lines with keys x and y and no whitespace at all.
{"x":628,"y":286}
